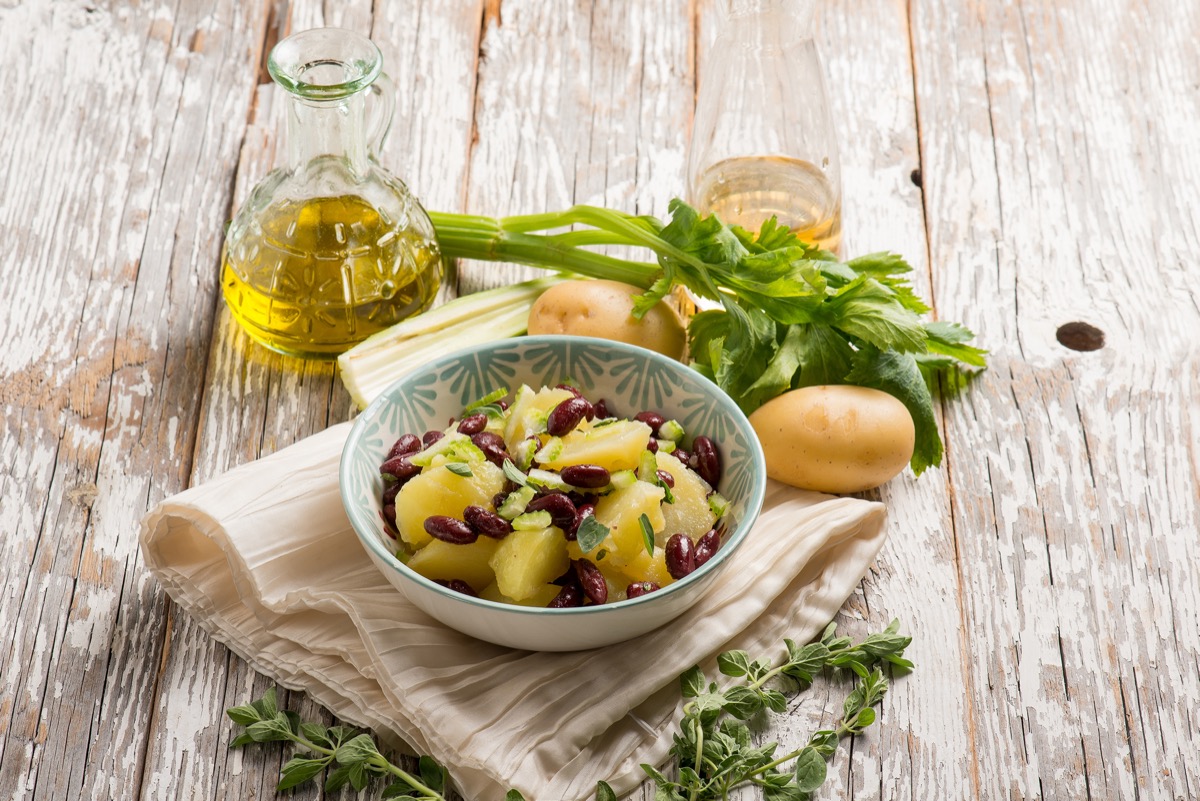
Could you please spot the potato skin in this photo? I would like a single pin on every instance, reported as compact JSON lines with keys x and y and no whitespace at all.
{"x":597,"y":308}
{"x":835,"y":439}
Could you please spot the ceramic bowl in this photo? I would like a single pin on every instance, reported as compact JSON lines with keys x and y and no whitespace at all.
{"x":630,"y":379}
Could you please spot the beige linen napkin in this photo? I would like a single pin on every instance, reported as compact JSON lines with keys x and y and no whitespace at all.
{"x":265,"y":559}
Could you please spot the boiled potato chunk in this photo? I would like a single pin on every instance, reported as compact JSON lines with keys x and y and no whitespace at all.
{"x":621,"y":512}
{"x":649,"y":568}
{"x":690,"y":514}
{"x":616,"y":446}
{"x":527,"y":560}
{"x":437,"y":491}
{"x":471,"y":563}
{"x":602,"y":309}
{"x":616,"y":580}
{"x":542,"y":597}
{"x":834,"y":438}
{"x":527,"y":415}
{"x":642,"y":567}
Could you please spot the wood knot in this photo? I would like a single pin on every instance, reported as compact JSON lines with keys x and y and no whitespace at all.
{"x":1080,"y":336}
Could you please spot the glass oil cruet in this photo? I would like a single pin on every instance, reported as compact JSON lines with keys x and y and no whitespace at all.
{"x":763,"y":140}
{"x":329,"y":248}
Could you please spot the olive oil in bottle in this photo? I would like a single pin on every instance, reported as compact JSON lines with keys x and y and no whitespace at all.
{"x":330,"y":247}
{"x":310,"y":277}
{"x":748,"y":191}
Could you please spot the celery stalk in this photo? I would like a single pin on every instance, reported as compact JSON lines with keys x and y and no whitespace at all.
{"x":372,"y":365}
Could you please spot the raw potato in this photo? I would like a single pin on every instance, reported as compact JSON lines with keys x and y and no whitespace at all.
{"x":834,"y":439}
{"x":601,"y":309}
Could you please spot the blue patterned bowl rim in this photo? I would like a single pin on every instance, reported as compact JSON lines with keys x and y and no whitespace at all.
{"x":364,"y":527}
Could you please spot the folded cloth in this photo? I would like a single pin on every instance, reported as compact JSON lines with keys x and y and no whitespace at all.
{"x":265,"y":559}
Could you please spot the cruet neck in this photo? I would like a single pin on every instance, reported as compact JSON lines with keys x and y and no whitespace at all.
{"x":327,"y":73}
{"x":324,"y":131}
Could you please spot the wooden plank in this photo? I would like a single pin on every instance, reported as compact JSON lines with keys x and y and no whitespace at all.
{"x":579,"y":104}
{"x":118,"y":159}
{"x":1061,"y":186}
{"x":257,"y":402}
{"x":921,"y":747}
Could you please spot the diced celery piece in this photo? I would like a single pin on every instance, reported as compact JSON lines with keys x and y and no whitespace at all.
{"x":718,"y":504}
{"x":550,"y":451}
{"x":496,"y":394}
{"x":523,"y":453}
{"x":671,"y":430}
{"x":622,"y":479}
{"x":547,"y":480}
{"x":532,"y":521}
{"x":454,"y":447}
{"x":647,"y":468}
{"x":666,"y":446}
{"x":516,"y":502}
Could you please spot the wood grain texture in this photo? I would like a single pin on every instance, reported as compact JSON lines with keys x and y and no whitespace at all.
{"x":579,"y":103}
{"x":1060,"y":187}
{"x":1047,"y":571}
{"x":923,"y":747}
{"x":121,"y":135}
{"x":262,"y":401}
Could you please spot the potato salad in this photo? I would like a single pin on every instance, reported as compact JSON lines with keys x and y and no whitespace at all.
{"x":551,"y":500}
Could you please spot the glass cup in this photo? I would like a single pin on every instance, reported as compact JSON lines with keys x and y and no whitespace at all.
{"x":763,"y":142}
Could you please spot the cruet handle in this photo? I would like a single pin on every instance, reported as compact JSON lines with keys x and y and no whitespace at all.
{"x":385,"y":90}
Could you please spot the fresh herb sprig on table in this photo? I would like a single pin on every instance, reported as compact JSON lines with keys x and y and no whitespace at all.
{"x":792,"y":315}
{"x":712,"y":752}
{"x":713,"y":749}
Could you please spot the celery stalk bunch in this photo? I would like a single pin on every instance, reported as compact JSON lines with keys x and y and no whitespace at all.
{"x":790,"y":314}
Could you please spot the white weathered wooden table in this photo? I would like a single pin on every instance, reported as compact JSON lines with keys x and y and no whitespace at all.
{"x":1037,"y":162}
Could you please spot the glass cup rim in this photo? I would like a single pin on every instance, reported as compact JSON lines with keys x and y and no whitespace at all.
{"x":292,"y":58}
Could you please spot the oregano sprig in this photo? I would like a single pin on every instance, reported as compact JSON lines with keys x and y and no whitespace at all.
{"x":713,"y":750}
{"x":349,"y":757}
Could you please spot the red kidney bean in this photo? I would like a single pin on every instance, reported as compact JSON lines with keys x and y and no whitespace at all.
{"x":569,"y":596}
{"x":666,"y":478}
{"x":487,"y":523}
{"x":493,"y":447}
{"x":601,"y":409}
{"x":409,"y":443}
{"x":401,"y":467}
{"x":652,"y":419}
{"x":503,"y":404}
{"x":562,"y":511}
{"x":592,"y":581}
{"x":681,"y":556}
{"x":449,"y":529}
{"x":430,"y":437}
{"x":570,"y":389}
{"x":472,"y":424}
{"x":389,"y":514}
{"x":681,"y":455}
{"x":652,"y":445}
{"x":498,"y":499}
{"x":639,"y":588}
{"x":706,"y":546}
{"x":565,"y":416}
{"x":458,"y":585}
{"x":705,"y":460}
{"x":585,"y":476}
{"x":391,"y":491}
{"x":581,"y":511}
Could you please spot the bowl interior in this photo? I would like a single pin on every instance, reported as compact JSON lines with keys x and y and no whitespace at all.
{"x":629,"y":378}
